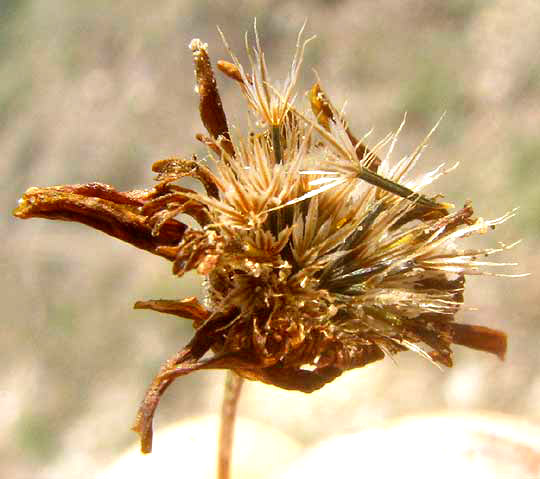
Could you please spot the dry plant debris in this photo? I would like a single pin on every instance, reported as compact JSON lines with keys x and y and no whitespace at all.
{"x":318,"y":254}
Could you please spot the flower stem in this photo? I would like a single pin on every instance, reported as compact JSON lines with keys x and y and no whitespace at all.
{"x":233,"y":387}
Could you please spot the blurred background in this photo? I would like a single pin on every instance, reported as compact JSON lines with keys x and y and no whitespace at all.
{"x":98,"y":91}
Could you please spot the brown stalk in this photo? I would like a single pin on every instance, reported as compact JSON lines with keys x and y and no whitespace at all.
{"x":233,"y":388}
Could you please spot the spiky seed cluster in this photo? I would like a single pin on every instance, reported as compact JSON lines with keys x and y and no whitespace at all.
{"x":320,"y":254}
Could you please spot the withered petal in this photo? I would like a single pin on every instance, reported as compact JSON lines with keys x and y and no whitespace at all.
{"x":210,"y":106}
{"x":189,"y":308}
{"x":480,"y":338}
{"x":103,"y":208}
{"x":172,"y":169}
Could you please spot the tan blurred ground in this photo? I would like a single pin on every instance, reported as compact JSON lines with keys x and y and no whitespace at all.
{"x":443,"y":445}
{"x":100,"y":90}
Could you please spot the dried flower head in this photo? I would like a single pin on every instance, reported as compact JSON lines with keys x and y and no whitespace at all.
{"x":319,"y":254}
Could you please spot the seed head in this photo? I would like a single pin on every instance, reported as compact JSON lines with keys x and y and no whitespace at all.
{"x":319,"y":254}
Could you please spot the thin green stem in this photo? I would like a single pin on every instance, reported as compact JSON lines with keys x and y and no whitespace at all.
{"x":233,"y":387}
{"x":276,"y":143}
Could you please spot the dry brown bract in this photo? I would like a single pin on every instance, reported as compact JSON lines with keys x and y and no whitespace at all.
{"x":319,"y":254}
